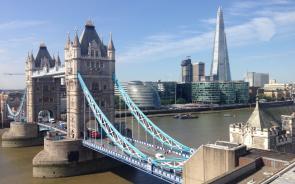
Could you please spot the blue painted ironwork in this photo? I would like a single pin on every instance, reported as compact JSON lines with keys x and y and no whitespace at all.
{"x":148,"y":125}
{"x":108,"y":127}
{"x":122,"y":142}
{"x":18,"y":115}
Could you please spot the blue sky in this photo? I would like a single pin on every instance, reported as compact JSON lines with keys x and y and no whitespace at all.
{"x":153,"y":36}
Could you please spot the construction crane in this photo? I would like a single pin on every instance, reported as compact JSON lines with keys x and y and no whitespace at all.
{"x":11,"y":74}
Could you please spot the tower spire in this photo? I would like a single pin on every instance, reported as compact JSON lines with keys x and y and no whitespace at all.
{"x":76,"y":42}
{"x":111,"y":44}
{"x":220,"y":69}
{"x":68,"y":42}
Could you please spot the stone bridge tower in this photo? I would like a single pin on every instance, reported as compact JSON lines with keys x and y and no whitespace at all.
{"x":96,"y":64}
{"x":43,"y":93}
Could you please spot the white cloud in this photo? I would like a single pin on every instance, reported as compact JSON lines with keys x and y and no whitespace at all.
{"x":17,"y":24}
{"x":261,"y":27}
{"x":209,"y":21}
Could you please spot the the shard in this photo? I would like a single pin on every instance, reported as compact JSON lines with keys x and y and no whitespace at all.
{"x":220,"y":69}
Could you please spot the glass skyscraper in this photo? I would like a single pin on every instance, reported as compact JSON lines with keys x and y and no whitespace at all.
{"x":220,"y":69}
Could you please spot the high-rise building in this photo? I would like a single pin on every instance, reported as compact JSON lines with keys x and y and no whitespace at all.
{"x":220,"y":69}
{"x":186,"y":71}
{"x":198,"y":71}
{"x":257,"y":79}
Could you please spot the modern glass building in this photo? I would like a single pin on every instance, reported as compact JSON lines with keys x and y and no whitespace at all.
{"x":205,"y":92}
{"x":220,"y":92}
{"x":242,"y":91}
{"x":145,"y":96}
{"x":227,"y":92}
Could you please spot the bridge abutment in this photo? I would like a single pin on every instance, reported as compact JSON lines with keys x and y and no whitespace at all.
{"x":22,"y":135}
{"x":67,"y":157}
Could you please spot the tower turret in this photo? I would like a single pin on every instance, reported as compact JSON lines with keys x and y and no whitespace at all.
{"x":111,"y":49}
{"x":76,"y":49}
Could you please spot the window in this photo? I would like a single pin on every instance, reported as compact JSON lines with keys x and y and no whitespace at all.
{"x":94,"y":86}
{"x":96,"y":53}
{"x":105,"y":86}
{"x":92,"y":53}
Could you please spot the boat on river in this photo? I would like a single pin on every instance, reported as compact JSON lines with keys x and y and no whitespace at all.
{"x":185,"y":116}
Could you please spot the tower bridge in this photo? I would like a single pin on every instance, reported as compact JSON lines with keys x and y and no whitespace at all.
{"x":89,"y":77}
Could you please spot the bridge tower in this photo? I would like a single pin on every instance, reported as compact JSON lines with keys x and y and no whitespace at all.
{"x":96,"y":64}
{"x":43,"y":93}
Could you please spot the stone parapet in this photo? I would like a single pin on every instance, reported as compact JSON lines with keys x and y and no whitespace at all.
{"x":67,"y":157}
{"x":21,"y":135}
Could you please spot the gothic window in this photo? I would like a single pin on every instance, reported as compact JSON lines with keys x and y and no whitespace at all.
{"x":92,"y":53}
{"x":45,"y":99}
{"x":96,"y":53}
{"x":94,"y":86}
{"x":45,"y":88}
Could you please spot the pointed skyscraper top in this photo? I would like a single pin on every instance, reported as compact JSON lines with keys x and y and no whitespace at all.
{"x":111,"y":44}
{"x":220,"y":69}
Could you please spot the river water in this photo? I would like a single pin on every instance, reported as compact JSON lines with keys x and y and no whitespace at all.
{"x":16,"y":163}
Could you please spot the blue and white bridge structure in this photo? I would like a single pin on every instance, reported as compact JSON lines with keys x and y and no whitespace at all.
{"x":89,"y":74}
{"x":135,"y":152}
{"x":158,"y":154}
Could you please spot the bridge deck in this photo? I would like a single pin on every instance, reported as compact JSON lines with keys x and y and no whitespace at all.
{"x":106,"y":147}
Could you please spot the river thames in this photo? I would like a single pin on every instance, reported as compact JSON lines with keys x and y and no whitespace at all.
{"x":16,"y":163}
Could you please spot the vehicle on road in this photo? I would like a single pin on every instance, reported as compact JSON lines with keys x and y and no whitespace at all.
{"x":160,"y":156}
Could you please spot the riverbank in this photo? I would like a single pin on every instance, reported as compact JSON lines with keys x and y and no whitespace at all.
{"x":212,"y":109}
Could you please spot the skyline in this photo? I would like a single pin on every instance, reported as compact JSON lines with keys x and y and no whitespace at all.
{"x":146,"y":43}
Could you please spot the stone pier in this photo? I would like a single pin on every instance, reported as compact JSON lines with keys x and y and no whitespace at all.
{"x":21,"y":135}
{"x":64,"y":157}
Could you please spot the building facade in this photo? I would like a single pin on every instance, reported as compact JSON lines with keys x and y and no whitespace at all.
{"x":278,"y":91}
{"x":220,"y":69}
{"x":264,"y":132}
{"x":220,"y":92}
{"x":206,"y":92}
{"x":144,"y":94}
{"x":257,"y":79}
{"x":186,"y":71}
{"x":95,"y":62}
{"x":198,"y":71}
{"x":42,"y":93}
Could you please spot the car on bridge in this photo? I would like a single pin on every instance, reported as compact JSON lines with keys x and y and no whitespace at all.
{"x":160,"y":156}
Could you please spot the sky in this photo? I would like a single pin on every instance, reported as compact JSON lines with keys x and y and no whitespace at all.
{"x":152,"y":37}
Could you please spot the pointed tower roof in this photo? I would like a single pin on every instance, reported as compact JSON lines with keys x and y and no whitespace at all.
{"x":260,"y":118}
{"x":111,"y":44}
{"x":58,"y":62}
{"x":88,"y":35}
{"x":31,"y":56}
{"x":76,"y":42}
{"x":68,"y":42}
{"x":220,"y":62}
{"x":43,"y":52}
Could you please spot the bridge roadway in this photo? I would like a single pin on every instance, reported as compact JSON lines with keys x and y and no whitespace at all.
{"x":106,"y":147}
